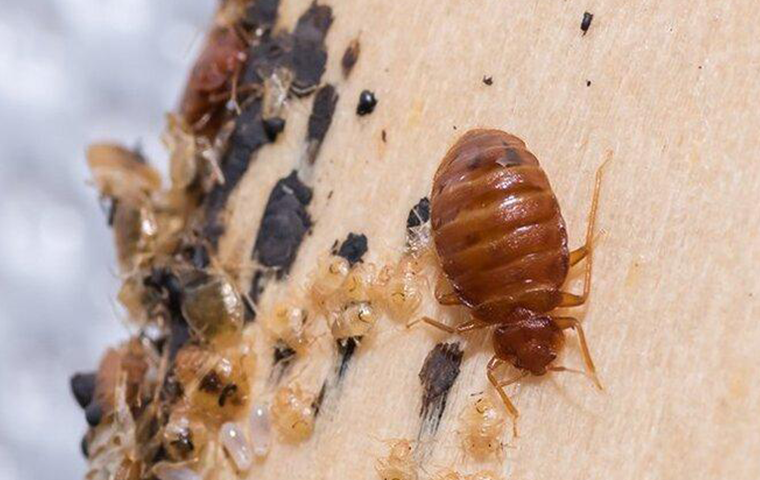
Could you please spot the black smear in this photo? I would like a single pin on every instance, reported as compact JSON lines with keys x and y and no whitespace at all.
{"x":419,"y":214}
{"x":350,"y":56}
{"x":488,"y":81}
{"x":93,"y":413}
{"x":320,"y":119}
{"x":346,"y":350}
{"x":84,"y":445}
{"x":588,"y":83}
{"x":83,"y":387}
{"x":248,"y":136}
{"x":309,"y":52}
{"x":367,"y":103}
{"x":352,"y":249}
{"x":437,"y":376}
{"x":273,"y":127}
{"x":284,"y":225}
{"x":384,"y":136}
{"x":586,"y":22}
{"x":283,"y":358}
{"x":261,"y":14}
{"x":317,"y":404}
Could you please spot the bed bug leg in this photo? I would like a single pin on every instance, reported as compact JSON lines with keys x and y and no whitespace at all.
{"x":465,"y":327}
{"x":445,"y":297}
{"x":494,"y":364}
{"x":570,"y":322}
{"x":570,"y":300}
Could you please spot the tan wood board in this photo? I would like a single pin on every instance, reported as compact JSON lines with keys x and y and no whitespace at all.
{"x":673,"y":320}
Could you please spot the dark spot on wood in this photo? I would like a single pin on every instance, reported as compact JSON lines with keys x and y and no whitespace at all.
{"x":228,"y":391}
{"x":437,"y":376}
{"x":350,"y":56}
{"x":309,"y":52}
{"x":352,"y":249}
{"x":283,"y":358}
{"x":586,"y":22}
{"x":320,"y":119}
{"x":488,"y":80}
{"x":317,"y":404}
{"x":83,"y":387}
{"x":284,"y":225}
{"x":330,"y":195}
{"x":184,"y":442}
{"x":588,"y":83}
{"x":384,"y":136}
{"x":260,"y":15}
{"x":346,"y":350}
{"x":211,"y":383}
{"x":419,"y":213}
{"x":455,"y":127}
{"x":248,"y":136}
{"x":93,"y":413}
{"x":367,"y":103}
{"x":273,"y":127}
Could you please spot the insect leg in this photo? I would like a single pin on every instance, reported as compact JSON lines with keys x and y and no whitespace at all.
{"x":443,"y":297}
{"x":570,"y":322}
{"x":493,"y":364}
{"x":467,"y":326}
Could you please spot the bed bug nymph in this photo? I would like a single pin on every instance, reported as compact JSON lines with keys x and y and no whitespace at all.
{"x":502,"y":243}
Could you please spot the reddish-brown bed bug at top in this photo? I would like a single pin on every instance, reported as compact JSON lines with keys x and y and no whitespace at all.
{"x":213,"y":79}
{"x":502,"y":244}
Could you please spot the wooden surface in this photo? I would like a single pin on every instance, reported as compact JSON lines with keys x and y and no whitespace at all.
{"x":673,"y":320}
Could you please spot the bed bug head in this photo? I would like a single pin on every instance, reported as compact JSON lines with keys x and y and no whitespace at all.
{"x":529,"y":344}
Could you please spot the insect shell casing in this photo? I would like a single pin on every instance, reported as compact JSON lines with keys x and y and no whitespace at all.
{"x":212,"y":306}
{"x":497,"y":226}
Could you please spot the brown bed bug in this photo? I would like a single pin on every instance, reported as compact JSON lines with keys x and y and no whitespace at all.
{"x":502,"y":244}
{"x":213,"y":79}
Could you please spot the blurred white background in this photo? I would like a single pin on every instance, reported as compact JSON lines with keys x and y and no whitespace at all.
{"x":71,"y":71}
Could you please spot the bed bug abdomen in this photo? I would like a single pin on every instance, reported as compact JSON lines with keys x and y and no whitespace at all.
{"x":497,"y":226}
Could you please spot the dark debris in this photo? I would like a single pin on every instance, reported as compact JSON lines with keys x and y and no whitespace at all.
{"x":350,"y":56}
{"x":367,"y":103}
{"x":352,"y":249}
{"x":437,"y":376}
{"x":586,"y":22}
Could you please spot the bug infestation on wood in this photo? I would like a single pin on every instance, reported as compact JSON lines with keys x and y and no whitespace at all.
{"x":502,"y":244}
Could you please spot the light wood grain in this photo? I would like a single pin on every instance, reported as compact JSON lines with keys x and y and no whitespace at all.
{"x":673,"y":319}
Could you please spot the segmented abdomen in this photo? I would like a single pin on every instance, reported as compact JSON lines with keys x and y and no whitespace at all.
{"x":497,"y":226}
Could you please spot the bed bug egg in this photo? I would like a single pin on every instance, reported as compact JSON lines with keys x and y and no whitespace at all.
{"x":399,"y":464}
{"x":235,"y":443}
{"x":260,"y":428}
{"x":482,"y":428}
{"x":293,"y":413}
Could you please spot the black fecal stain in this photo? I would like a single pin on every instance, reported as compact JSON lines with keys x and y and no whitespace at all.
{"x":93,"y":413}
{"x":282,"y":359}
{"x":437,"y":376}
{"x":588,"y":83}
{"x":320,"y":119}
{"x":248,"y":136}
{"x":488,"y":80}
{"x":284,"y":225}
{"x":384,"y":136}
{"x":317,"y":404}
{"x":260,"y":15}
{"x":168,"y":286}
{"x":367,"y":103}
{"x":211,"y":383}
{"x":350,"y":56}
{"x":228,"y":391}
{"x":419,"y":214}
{"x":83,"y":387}
{"x":273,"y":127}
{"x":346,"y":350}
{"x":309,"y":52}
{"x":260,"y":278}
{"x":197,"y":256}
{"x":84,"y":445}
{"x":586,"y":22}
{"x":352,"y":249}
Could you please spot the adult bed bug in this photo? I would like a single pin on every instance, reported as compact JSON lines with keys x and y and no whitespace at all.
{"x":502,"y":244}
